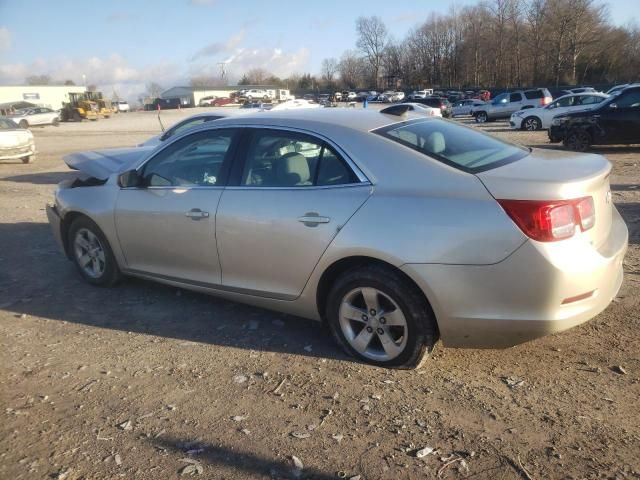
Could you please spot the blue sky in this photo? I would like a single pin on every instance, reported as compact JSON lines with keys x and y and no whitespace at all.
{"x":123,"y":44}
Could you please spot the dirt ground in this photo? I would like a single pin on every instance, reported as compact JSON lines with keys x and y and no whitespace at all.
{"x":150,"y":382}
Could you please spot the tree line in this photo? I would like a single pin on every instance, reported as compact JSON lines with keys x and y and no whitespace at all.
{"x":495,"y":43}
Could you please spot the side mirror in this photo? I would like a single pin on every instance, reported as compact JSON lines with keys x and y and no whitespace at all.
{"x":130,"y":179}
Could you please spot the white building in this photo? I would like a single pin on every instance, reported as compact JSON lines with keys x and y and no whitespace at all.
{"x":52,"y":96}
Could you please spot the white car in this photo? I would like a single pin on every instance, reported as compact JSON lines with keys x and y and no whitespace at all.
{"x":123,"y":106}
{"x":28,"y":117}
{"x":16,"y":142}
{"x":463,"y":107}
{"x":417,"y":94}
{"x":256,"y":94}
{"x":419,"y":108}
{"x":540,"y":118}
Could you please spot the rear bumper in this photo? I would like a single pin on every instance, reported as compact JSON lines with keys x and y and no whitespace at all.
{"x":56,"y":223}
{"x":530,"y":294}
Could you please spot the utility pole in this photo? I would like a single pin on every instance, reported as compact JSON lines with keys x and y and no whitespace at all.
{"x":223,"y":72}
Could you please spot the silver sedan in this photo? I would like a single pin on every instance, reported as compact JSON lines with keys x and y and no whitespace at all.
{"x":395,"y":230}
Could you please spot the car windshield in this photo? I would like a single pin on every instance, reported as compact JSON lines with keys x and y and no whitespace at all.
{"x":6,"y":124}
{"x":461,"y":147}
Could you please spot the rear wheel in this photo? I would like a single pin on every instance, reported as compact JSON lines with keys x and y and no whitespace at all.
{"x":378,"y":316}
{"x":481,"y":117}
{"x":531,"y":124}
{"x":23,"y":124}
{"x":92,"y":253}
{"x":578,"y":140}
{"x":77,"y":117}
{"x":29,"y":159}
{"x":55,"y":122}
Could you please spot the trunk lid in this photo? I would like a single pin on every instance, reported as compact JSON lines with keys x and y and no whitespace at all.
{"x":102,"y":163}
{"x":557,"y":175}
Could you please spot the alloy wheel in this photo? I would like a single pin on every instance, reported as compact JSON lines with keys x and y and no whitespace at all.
{"x":373,"y":324}
{"x":531,"y":124}
{"x":89,"y":253}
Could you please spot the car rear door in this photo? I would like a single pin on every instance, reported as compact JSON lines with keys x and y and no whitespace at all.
{"x":166,"y":226}
{"x":628,"y":116}
{"x":288,"y":197}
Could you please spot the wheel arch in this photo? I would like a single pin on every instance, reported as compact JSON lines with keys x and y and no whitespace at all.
{"x":338,"y":267}
{"x":65,"y":226}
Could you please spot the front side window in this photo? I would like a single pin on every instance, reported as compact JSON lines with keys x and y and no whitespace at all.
{"x":566,"y":101}
{"x":196,"y":160}
{"x":461,"y":147}
{"x":503,"y":98}
{"x":628,"y":100}
{"x":590,"y":99}
{"x":288,"y":159}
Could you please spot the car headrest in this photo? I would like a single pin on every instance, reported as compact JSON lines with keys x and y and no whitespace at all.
{"x":435,"y":143}
{"x":292,"y":169}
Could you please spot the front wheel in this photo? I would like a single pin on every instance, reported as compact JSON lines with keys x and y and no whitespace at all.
{"x":92,"y":253}
{"x":378,"y":316}
{"x":531,"y":124}
{"x":23,"y":124}
{"x":578,"y":140}
{"x":29,"y":159}
{"x":481,"y":117}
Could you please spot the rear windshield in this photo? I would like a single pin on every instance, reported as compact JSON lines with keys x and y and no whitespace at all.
{"x":461,"y":147}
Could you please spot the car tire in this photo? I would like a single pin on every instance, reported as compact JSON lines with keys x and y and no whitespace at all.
{"x":371,"y":337}
{"x":23,"y":124}
{"x":87,"y":242}
{"x":56,"y":122}
{"x":578,"y":140}
{"x":482,"y":117}
{"x":531,"y":124}
{"x":29,"y":159}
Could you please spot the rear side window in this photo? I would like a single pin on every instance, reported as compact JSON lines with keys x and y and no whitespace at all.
{"x":515,"y":97}
{"x":532,"y":94}
{"x":453,"y":144}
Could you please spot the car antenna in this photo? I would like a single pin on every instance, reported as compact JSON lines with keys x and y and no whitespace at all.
{"x":160,"y":120}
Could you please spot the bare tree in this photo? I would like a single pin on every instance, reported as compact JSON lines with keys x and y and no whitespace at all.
{"x":154,"y":89}
{"x":351,"y":69}
{"x":372,"y":39}
{"x":329,"y":70}
{"x":257,"y":76}
{"x":38,"y":80}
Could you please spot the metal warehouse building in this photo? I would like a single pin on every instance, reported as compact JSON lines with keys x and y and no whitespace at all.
{"x":191,"y":96}
{"x":52,"y":96}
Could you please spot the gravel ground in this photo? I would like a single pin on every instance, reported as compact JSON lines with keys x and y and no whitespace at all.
{"x":147,"y":381}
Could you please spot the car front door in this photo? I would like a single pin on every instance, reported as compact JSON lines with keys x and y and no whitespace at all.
{"x":166,"y":226}
{"x":625,"y":117}
{"x":558,"y":107}
{"x":287,"y":199}
{"x":515,"y":103}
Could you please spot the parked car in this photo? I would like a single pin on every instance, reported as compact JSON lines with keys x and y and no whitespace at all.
{"x":29,"y":117}
{"x":506,"y":103}
{"x":207,"y":101}
{"x":420,"y":94}
{"x":463,"y":107}
{"x":617,"y":88}
{"x":540,"y":118}
{"x":296,"y":104}
{"x":222,"y":101}
{"x":436,"y":102}
{"x":417,"y":108}
{"x":290,"y":221}
{"x":181,"y":127}
{"x":123,"y":106}
{"x":612,"y":122}
{"x":337,"y":96}
{"x":16,"y":142}
{"x":255,"y":94}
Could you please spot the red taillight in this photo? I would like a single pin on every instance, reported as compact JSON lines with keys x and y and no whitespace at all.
{"x":548,"y":221}
{"x":545,"y":101}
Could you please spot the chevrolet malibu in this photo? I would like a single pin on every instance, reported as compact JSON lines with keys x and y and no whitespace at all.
{"x":396,"y":231}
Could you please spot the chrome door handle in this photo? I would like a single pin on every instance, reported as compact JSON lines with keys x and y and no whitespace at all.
{"x":196,"y":214}
{"x":312,"y":219}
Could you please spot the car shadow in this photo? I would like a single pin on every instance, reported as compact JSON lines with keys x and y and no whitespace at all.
{"x":36,"y":279}
{"x":41,"y":178}
{"x":631,"y":214}
{"x":627,"y":187}
{"x":247,"y":465}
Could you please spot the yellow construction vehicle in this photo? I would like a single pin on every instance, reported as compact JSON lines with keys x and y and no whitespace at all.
{"x":79,"y":108}
{"x":105,"y":108}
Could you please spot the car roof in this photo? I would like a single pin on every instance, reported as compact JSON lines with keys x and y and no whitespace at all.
{"x":362,"y":120}
{"x":582,"y":94}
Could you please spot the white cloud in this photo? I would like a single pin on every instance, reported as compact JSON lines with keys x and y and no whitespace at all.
{"x":216,"y":48}
{"x":5,"y":39}
{"x":202,"y":2}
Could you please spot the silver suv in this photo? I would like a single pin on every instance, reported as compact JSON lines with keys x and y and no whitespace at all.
{"x":507,"y":103}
